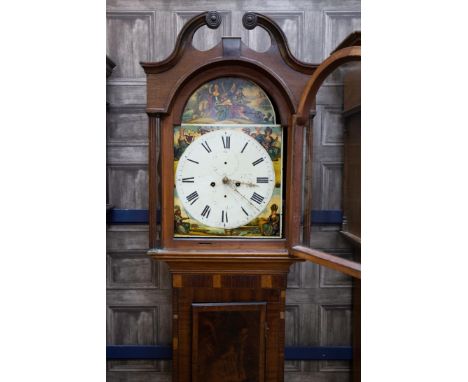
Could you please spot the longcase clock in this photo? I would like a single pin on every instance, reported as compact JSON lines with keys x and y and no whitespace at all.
{"x":225,"y":159}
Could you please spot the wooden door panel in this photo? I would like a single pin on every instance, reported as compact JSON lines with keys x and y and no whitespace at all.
{"x":228,"y":342}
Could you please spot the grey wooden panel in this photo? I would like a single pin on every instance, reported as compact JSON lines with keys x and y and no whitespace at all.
{"x":139,"y":317}
{"x":338,"y":24}
{"x":129,"y":41}
{"x":258,"y":39}
{"x":165,"y":31}
{"x":330,"y":94}
{"x":317,"y":376}
{"x":321,"y":296}
{"x":333,"y":279}
{"x":127,"y":125}
{"x":138,"y":297}
{"x":292,"y":334}
{"x":129,"y":325}
{"x":309,"y":275}
{"x":127,"y":237}
{"x":292,"y":24}
{"x":336,"y":321}
{"x":309,"y":325}
{"x":294,"y":276}
{"x":325,"y":237}
{"x":330,"y":123}
{"x":165,"y":324}
{"x":332,"y":190}
{"x":133,"y":365}
{"x":132,"y":376}
{"x":128,"y":186}
{"x":312,"y":36}
{"x":134,"y":153}
{"x":138,"y":365}
{"x":327,"y":149}
{"x":131,"y":269}
{"x":164,"y":276}
{"x":126,"y":93}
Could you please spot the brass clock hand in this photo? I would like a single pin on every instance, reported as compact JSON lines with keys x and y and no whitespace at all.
{"x":249,"y":184}
{"x":227,"y":181}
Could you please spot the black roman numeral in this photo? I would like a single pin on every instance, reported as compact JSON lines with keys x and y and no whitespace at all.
{"x":193,"y":197}
{"x":262,"y":180}
{"x":257,"y":198}
{"x":259,"y":160}
{"x":190,"y":180}
{"x":206,"y":146}
{"x":226,"y":142}
{"x":193,"y":161}
{"x":244,"y":147}
{"x":224,"y":217}
{"x":206,"y":211}
{"x":245,"y":212}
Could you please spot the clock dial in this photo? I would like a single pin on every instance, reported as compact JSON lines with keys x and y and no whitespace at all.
{"x":225,"y":179}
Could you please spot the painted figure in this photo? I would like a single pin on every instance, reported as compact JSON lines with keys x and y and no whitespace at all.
{"x":179,"y":225}
{"x":183,"y":141}
{"x":270,"y":226}
{"x":271,"y":145}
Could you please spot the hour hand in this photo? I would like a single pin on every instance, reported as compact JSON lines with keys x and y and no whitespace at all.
{"x":226,"y":180}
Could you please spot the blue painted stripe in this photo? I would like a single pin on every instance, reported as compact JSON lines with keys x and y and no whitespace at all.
{"x":134,"y":216}
{"x":291,"y":353}
{"x":140,"y":216}
{"x":327,"y":216}
{"x":318,"y":352}
{"x":138,"y":352}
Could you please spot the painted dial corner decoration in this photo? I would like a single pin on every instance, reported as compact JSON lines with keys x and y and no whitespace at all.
{"x":228,"y":163}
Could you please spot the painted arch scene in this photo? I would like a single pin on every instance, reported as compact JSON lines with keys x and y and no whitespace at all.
{"x":229,"y":100}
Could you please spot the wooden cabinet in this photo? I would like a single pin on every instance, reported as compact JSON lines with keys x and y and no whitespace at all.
{"x":228,"y":326}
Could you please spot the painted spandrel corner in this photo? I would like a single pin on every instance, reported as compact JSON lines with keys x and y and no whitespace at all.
{"x":240,"y":105}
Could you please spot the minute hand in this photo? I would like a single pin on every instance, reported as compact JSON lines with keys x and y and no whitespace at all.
{"x":234,"y":189}
{"x":250,"y":184}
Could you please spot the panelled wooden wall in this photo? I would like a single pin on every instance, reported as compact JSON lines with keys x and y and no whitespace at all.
{"x":139,"y":296}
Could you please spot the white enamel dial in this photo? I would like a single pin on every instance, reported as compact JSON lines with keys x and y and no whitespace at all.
{"x":224,"y":179}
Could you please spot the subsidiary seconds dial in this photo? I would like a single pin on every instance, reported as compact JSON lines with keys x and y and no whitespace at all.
{"x":225,"y":179}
